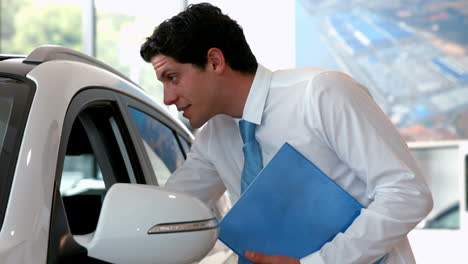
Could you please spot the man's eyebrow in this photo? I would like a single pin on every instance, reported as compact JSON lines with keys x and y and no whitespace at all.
{"x":164,"y":73}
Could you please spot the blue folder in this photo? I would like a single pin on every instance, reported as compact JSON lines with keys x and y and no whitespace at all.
{"x":291,"y":208}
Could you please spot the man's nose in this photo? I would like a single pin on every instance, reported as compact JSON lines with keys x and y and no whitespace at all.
{"x":170,"y":97}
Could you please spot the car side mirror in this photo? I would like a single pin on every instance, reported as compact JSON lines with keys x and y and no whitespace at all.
{"x":148,"y":224}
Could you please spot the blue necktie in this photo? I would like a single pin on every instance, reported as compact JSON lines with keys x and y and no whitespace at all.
{"x":252,"y":154}
{"x":252,"y":159}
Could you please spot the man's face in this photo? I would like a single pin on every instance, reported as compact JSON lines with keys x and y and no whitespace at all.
{"x":191,"y":89}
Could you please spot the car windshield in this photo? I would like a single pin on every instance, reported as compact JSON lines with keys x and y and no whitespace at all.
{"x":15,"y":101}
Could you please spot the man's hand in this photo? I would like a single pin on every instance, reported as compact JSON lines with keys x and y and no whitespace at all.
{"x":260,"y":258}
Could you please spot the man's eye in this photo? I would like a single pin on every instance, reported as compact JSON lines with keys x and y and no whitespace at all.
{"x":172,"y":77}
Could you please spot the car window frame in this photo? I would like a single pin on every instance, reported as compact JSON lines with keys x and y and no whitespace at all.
{"x":184,"y":144}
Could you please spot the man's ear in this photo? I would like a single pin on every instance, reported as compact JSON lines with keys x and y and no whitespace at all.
{"x":215,"y":60}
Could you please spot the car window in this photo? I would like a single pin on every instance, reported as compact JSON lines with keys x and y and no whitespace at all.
{"x":6,"y":104}
{"x":15,"y":102}
{"x":160,"y":144}
{"x":81,"y":173}
{"x":90,"y":167}
{"x":95,"y":153}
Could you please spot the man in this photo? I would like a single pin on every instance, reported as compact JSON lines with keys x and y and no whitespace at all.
{"x":209,"y":72}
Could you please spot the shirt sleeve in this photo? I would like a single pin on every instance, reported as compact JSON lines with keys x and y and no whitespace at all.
{"x":354,"y":126}
{"x":197,"y":176}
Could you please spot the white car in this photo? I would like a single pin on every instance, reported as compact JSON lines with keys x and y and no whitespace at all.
{"x":83,"y":151}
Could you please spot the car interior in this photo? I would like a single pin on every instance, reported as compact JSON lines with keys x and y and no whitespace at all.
{"x":92,"y":163}
{"x":82,"y":207}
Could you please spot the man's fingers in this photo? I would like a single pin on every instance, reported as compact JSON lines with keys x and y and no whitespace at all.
{"x":258,"y":257}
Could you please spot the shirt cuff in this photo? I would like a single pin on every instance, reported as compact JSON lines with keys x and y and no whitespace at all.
{"x":313,"y":258}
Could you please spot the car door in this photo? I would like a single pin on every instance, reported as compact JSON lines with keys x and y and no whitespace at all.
{"x":95,"y":152}
{"x":107,"y":138}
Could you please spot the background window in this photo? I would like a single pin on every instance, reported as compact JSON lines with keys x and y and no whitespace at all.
{"x":441,"y":169}
{"x":160,"y":144}
{"x":26,"y":24}
{"x":121,"y":28}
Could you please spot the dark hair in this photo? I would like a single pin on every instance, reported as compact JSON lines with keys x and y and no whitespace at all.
{"x":188,"y":36}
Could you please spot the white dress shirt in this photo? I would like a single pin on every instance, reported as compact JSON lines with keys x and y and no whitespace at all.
{"x":333,"y":121}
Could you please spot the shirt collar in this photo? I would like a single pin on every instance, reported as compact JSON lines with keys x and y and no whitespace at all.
{"x":255,"y":103}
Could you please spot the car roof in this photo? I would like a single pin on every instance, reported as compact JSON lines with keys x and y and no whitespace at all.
{"x":54,"y":52}
{"x":13,"y":65}
{"x":44,"y":59}
{"x":46,"y":53}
